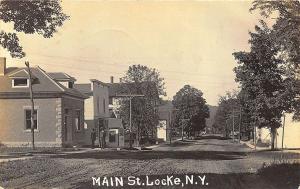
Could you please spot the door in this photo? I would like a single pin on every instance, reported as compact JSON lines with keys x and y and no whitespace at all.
{"x":68,"y":130}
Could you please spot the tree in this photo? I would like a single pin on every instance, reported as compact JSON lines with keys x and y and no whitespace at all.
{"x":227,"y":104}
{"x":192,"y":109}
{"x":30,"y":16}
{"x":232,"y":103}
{"x":261,"y":75}
{"x":145,"y":81}
{"x":286,"y":35}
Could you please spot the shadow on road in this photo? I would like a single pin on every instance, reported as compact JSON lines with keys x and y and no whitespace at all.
{"x":147,"y":155}
{"x":211,"y":137}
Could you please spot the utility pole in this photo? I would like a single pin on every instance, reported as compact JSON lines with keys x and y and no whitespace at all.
{"x":240,"y":124}
{"x":233,"y":125}
{"x":32,"y":103}
{"x":130,"y":127}
{"x":283,"y":124}
{"x":170,"y":127}
{"x":131,"y":96}
{"x":181,"y":132}
{"x":254,"y":137}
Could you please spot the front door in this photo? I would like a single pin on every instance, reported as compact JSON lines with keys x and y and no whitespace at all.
{"x":68,"y":130}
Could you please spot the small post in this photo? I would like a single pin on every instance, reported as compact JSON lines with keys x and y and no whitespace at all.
{"x":254,"y":137}
{"x":32,"y":103}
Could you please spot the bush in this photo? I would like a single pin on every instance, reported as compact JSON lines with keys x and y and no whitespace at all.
{"x":285,"y":174}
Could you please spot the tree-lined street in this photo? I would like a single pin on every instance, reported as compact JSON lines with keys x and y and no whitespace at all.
{"x":211,"y":154}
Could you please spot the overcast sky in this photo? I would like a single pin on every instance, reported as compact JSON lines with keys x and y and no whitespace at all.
{"x":188,"y":42}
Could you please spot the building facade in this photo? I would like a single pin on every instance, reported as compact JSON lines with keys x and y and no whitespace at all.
{"x":97,"y":115}
{"x":58,"y":108}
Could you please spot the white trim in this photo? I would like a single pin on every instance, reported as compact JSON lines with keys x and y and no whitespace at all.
{"x":50,"y":78}
{"x":18,"y":72}
{"x":13,"y":83}
{"x":29,"y":107}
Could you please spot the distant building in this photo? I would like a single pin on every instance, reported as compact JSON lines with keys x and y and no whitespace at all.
{"x":97,"y":114}
{"x":59,"y":108}
{"x":118,"y":92}
{"x":291,"y":131}
{"x":166,"y":113}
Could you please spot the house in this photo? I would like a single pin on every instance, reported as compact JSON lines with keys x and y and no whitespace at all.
{"x":97,"y":114}
{"x":166,"y":113}
{"x":120,"y":92}
{"x":59,"y":108}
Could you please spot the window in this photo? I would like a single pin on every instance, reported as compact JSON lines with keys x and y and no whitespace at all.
{"x":28,"y":119}
{"x":98,"y":105}
{"x":104,"y":105}
{"x":20,"y":83}
{"x":70,"y":85}
{"x":77,"y":119}
{"x":112,"y":136}
{"x":66,"y":111}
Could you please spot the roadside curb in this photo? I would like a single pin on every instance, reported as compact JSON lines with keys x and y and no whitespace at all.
{"x":252,"y":146}
{"x":15,"y":159}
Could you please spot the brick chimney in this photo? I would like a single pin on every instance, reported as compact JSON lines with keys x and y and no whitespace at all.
{"x":111,"y":79}
{"x":120,"y":80}
{"x":2,"y":65}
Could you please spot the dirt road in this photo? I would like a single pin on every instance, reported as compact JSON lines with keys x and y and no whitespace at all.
{"x":211,"y":155}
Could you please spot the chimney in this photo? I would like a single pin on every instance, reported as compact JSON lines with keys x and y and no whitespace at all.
{"x":111,"y":79}
{"x":2,"y":65}
{"x":120,"y":80}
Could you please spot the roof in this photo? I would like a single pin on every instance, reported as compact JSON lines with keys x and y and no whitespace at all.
{"x":23,"y":73}
{"x":85,"y":88}
{"x":60,"y":76}
{"x":44,"y":85}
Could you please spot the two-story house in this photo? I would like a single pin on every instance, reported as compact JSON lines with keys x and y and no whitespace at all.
{"x":97,"y":115}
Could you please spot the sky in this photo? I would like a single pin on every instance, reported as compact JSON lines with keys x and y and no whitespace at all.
{"x":188,"y":42}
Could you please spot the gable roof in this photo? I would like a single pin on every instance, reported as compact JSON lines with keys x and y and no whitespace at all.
{"x":43,"y":85}
{"x":21,"y":73}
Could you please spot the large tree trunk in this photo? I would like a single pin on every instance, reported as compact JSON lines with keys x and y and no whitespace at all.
{"x":273,"y":135}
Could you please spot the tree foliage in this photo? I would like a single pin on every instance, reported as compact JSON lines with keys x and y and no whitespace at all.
{"x":261,"y":75}
{"x":32,"y":16}
{"x":192,"y":109}
{"x":143,"y":81}
{"x":285,"y":34}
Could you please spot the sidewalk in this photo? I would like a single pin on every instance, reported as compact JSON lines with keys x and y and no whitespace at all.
{"x":247,"y":143}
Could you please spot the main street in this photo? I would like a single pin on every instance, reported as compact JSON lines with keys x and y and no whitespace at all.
{"x":209,"y":155}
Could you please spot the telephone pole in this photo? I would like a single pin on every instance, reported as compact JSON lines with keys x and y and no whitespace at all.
{"x":283,"y":124}
{"x":130,"y":96}
{"x":240,"y":124}
{"x":233,"y":125}
{"x":32,"y":103}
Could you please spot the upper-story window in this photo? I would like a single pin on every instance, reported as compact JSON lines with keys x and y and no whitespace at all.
{"x":71,"y":85}
{"x":20,"y":82}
